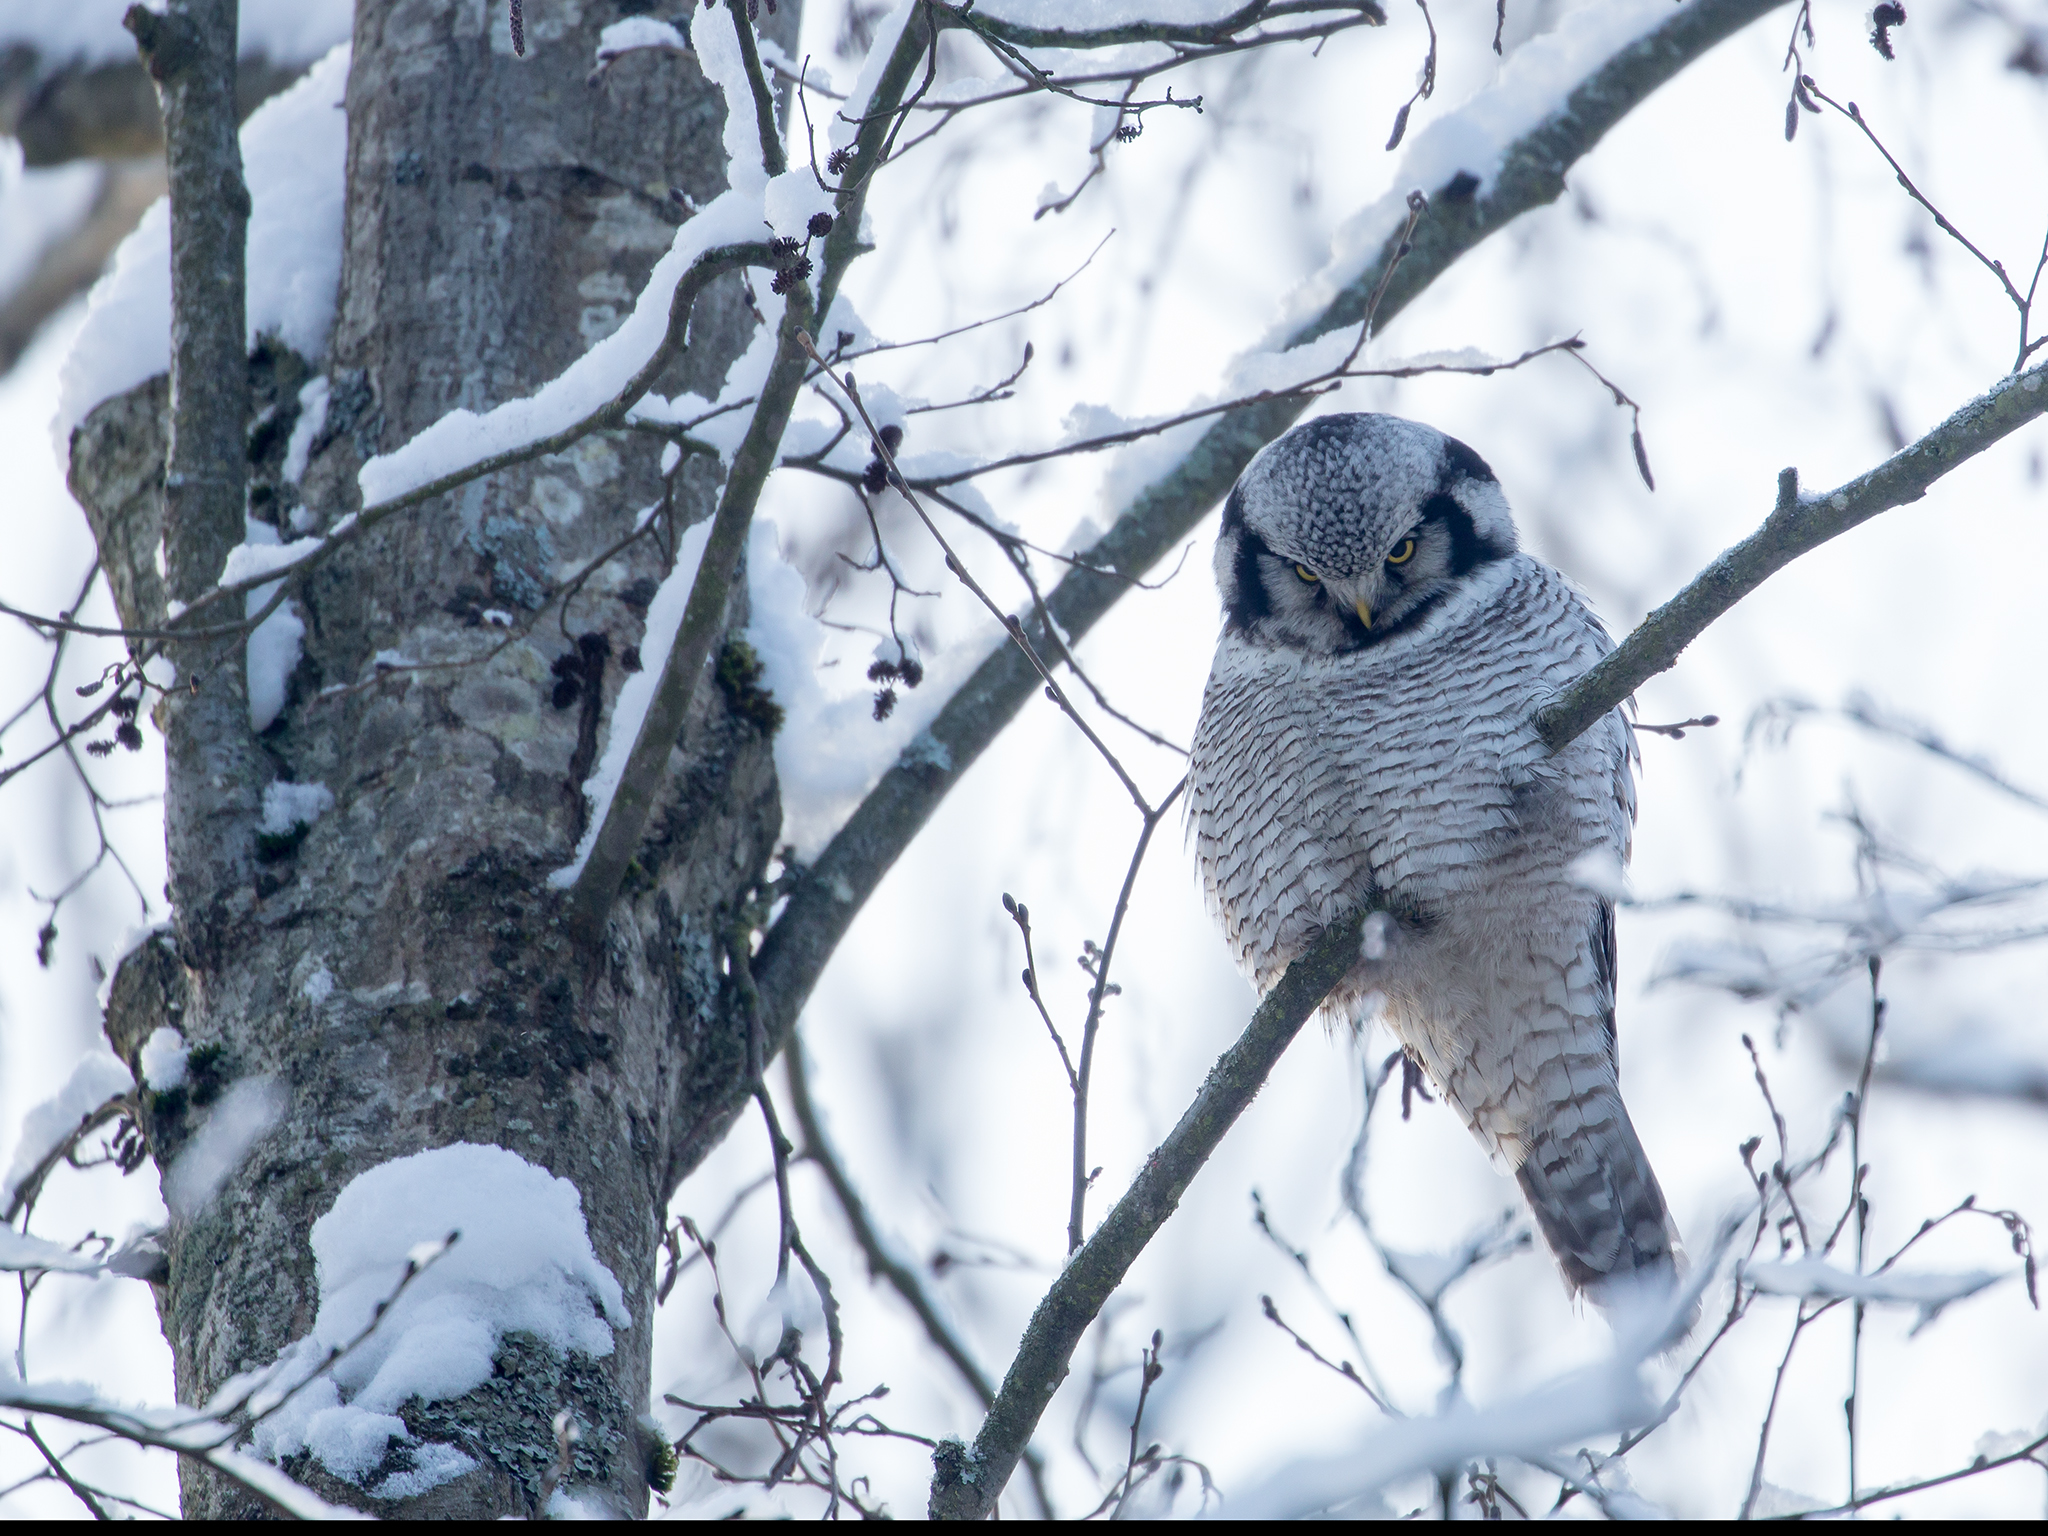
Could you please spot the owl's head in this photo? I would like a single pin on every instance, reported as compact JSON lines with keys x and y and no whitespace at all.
{"x":1350,"y":529}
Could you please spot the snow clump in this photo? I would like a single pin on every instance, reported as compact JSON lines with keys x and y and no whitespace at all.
{"x":163,"y":1059}
{"x":288,"y":807}
{"x":522,"y":1264}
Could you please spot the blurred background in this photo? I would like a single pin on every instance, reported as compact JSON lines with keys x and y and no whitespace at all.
{"x":1767,"y":303}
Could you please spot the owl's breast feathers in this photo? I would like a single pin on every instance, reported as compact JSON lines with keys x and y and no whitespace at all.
{"x":1409,"y":767}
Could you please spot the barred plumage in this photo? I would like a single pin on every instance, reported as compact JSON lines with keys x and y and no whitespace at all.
{"x":1366,"y":730}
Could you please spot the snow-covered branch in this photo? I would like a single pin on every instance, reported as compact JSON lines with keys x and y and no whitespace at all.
{"x":196,"y":1437}
{"x":1597,"y":1400}
{"x":1816,"y":1278}
{"x":209,"y":1435}
{"x":635,"y":764}
{"x":439,"y":460}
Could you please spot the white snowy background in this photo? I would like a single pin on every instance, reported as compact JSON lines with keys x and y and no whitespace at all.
{"x":1768,"y":304}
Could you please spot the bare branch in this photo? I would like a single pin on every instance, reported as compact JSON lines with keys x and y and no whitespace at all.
{"x":1797,"y":524}
{"x":1778,"y":716}
{"x":773,"y":160}
{"x":1020,"y":914}
{"x":1014,"y":627}
{"x":63,"y":1473}
{"x":189,"y":51}
{"x":2029,"y":1452}
{"x":1097,"y":995}
{"x":1222,"y":30}
{"x":883,"y":1258}
{"x":2024,"y":303}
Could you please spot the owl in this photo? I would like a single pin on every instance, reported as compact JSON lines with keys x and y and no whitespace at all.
{"x":1366,"y":733}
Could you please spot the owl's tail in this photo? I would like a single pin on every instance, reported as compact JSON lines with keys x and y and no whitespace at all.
{"x":1589,"y":1183}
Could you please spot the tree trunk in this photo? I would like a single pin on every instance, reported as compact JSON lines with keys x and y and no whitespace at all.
{"x":501,"y":215}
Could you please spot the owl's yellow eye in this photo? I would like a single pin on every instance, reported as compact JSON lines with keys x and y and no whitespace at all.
{"x":1306,"y":574}
{"x":1404,"y":554}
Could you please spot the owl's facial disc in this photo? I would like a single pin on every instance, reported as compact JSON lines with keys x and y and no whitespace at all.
{"x":1271,"y":592}
{"x":1350,"y":529}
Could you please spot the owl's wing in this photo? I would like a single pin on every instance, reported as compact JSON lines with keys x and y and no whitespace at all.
{"x":1586,"y":1176}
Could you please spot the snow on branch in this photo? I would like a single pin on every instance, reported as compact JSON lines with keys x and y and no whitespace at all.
{"x":1797,"y":524}
{"x":97,"y":1091}
{"x":424,"y":1264}
{"x":1816,"y":1278}
{"x":386,"y":1331}
{"x":459,"y":448}
{"x":1599,"y":1399}
{"x":524,"y":1264}
{"x":208,"y":1435}
{"x":293,"y":149}
{"x":196,"y":1437}
{"x":25,"y":1254}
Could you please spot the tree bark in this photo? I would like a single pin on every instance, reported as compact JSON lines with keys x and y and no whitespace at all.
{"x":501,"y":215}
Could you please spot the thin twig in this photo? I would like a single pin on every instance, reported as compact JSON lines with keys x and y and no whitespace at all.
{"x":1020,"y":914}
{"x":883,"y":1259}
{"x":1860,"y":1204}
{"x":958,"y":567}
{"x":967,"y":1482}
{"x":1097,"y":995}
{"x":1347,"y":1370}
{"x":1782,"y":1169}
{"x":2021,"y":302}
{"x":1763,"y":1437}
{"x":1377,"y":1390}
{"x":2030,"y":1452}
{"x":63,"y":1474}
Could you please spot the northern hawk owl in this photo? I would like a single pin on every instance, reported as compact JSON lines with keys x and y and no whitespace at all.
{"x":1366,"y":732}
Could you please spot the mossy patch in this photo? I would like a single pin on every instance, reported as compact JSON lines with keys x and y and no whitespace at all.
{"x":273,"y":846}
{"x":739,"y":674}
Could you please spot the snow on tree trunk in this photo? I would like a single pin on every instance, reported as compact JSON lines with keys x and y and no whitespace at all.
{"x":396,"y":967}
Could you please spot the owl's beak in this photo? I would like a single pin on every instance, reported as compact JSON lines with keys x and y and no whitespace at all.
{"x":1364,"y":612}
